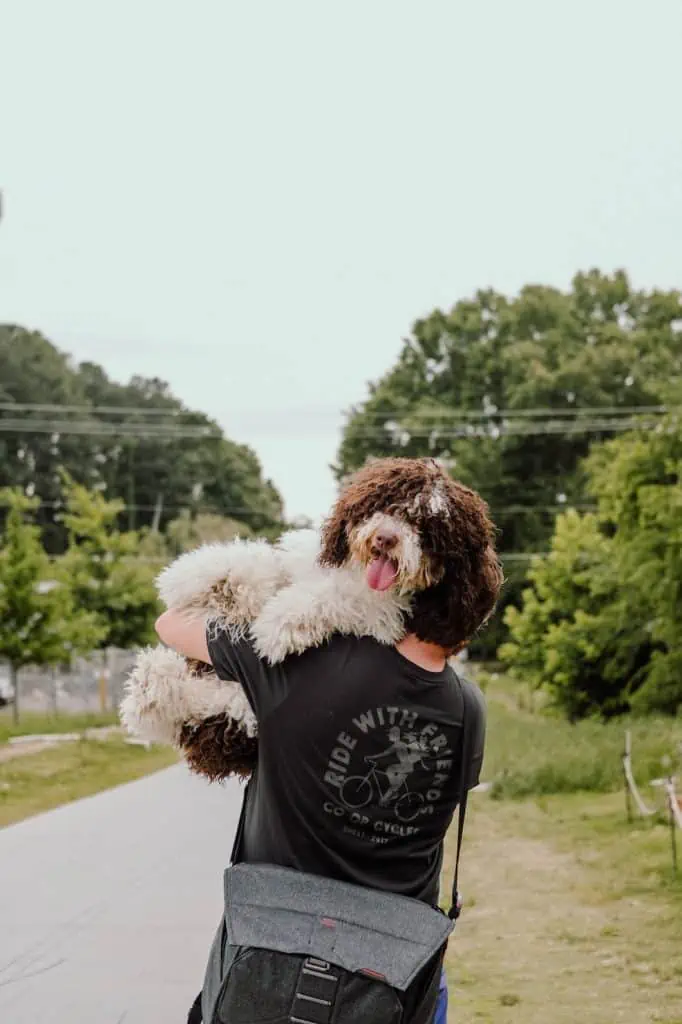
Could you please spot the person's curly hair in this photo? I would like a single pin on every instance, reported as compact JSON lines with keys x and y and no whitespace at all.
{"x":444,"y":543}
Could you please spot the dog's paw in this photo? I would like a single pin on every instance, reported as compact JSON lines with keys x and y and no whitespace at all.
{"x":289,"y":638}
{"x":149,"y":709}
{"x":296,"y":618}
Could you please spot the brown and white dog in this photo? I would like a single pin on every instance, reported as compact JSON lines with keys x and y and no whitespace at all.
{"x":405,"y":549}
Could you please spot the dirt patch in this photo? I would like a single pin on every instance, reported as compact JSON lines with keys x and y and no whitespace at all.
{"x":546,"y":938}
{"x":8,"y":753}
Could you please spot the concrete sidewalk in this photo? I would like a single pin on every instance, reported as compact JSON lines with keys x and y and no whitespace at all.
{"x":108,"y":906}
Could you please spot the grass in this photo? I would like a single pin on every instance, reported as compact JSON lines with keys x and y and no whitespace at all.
{"x":571,"y":913}
{"x":38,"y":723}
{"x":532,"y":752}
{"x":39,"y":782}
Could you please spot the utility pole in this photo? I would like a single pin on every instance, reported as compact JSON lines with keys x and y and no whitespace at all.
{"x":156,"y":522}
{"x":131,"y":486}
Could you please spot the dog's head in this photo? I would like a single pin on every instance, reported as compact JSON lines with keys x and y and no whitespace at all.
{"x":417,"y":531}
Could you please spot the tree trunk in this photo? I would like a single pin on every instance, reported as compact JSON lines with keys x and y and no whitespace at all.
{"x":103,"y":679}
{"x":14,"y":683}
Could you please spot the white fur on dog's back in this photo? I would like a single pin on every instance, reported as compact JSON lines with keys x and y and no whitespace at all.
{"x":187,"y":582}
{"x":253,"y":570}
{"x":299,"y":550}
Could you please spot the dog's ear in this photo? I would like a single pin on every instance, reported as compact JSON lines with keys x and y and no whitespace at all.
{"x":451,"y":612}
{"x":219,"y":748}
{"x":492,"y":581}
{"x":334,"y":548}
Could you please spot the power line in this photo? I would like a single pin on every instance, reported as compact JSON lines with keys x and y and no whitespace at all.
{"x":521,"y":556}
{"x":491,"y":431}
{"x":94,"y":428}
{"x":495,"y":431}
{"x":539,"y":411}
{"x":139,"y":410}
{"x":513,"y":557}
{"x":188,"y":506}
{"x":560,"y":507}
{"x":235,"y":510}
{"x":446,"y":411}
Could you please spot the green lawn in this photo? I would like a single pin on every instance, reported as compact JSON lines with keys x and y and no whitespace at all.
{"x":571,"y":913}
{"x":37,"y":722}
{"x":532,"y":752}
{"x":38,"y":782}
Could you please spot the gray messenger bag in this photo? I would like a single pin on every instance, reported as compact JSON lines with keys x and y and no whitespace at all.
{"x":296,"y":948}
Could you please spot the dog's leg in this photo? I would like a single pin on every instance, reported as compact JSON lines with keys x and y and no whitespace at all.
{"x":166,"y":698}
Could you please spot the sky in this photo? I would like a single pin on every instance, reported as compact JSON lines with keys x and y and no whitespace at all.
{"x":255,"y":200}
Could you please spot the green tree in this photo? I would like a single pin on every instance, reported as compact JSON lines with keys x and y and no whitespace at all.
{"x":601,"y":623}
{"x":39,"y":623}
{"x":572,"y":635}
{"x":600,"y":345}
{"x":107,"y":575}
{"x":124,"y":444}
{"x":32,"y":370}
{"x":185,"y":532}
{"x":638,"y":483}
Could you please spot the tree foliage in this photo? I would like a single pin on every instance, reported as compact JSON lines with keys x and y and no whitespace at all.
{"x":187,"y":532}
{"x":601,"y":344}
{"x":156,"y":477}
{"x":465,"y":380}
{"x":601,"y":622}
{"x":40,"y":621}
{"x":106,"y":571}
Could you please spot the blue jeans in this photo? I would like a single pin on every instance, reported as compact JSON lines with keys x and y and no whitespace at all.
{"x":441,"y":1014}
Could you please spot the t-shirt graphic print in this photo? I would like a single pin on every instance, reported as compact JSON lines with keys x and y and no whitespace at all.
{"x":387,"y":772}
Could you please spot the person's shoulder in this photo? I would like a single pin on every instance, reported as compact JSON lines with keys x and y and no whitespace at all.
{"x":339,"y":647}
{"x":356,"y":644}
{"x":225,"y":637}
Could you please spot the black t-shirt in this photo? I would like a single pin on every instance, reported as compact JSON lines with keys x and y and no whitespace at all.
{"x":359,"y":762}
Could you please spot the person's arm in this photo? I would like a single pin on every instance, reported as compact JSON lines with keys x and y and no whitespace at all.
{"x":265,"y":685}
{"x":184,"y":635}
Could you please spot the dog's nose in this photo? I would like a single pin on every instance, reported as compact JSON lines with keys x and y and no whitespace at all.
{"x":384,"y":541}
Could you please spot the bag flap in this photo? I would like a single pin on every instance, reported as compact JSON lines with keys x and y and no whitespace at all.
{"x":362,"y":930}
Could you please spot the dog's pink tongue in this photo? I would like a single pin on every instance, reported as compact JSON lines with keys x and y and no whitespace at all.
{"x":381,"y":573}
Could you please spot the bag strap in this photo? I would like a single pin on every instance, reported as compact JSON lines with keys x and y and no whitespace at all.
{"x":236,"y":854}
{"x":456,"y":902}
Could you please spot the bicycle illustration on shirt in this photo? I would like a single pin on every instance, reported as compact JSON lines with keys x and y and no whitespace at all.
{"x":387,"y":777}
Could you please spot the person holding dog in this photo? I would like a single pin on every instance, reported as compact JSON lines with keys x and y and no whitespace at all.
{"x":361,"y":761}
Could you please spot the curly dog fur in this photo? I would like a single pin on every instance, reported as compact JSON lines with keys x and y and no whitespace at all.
{"x":459,"y":577}
{"x":404,"y":549}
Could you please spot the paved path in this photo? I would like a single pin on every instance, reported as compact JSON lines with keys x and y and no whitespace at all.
{"x":108,"y":906}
